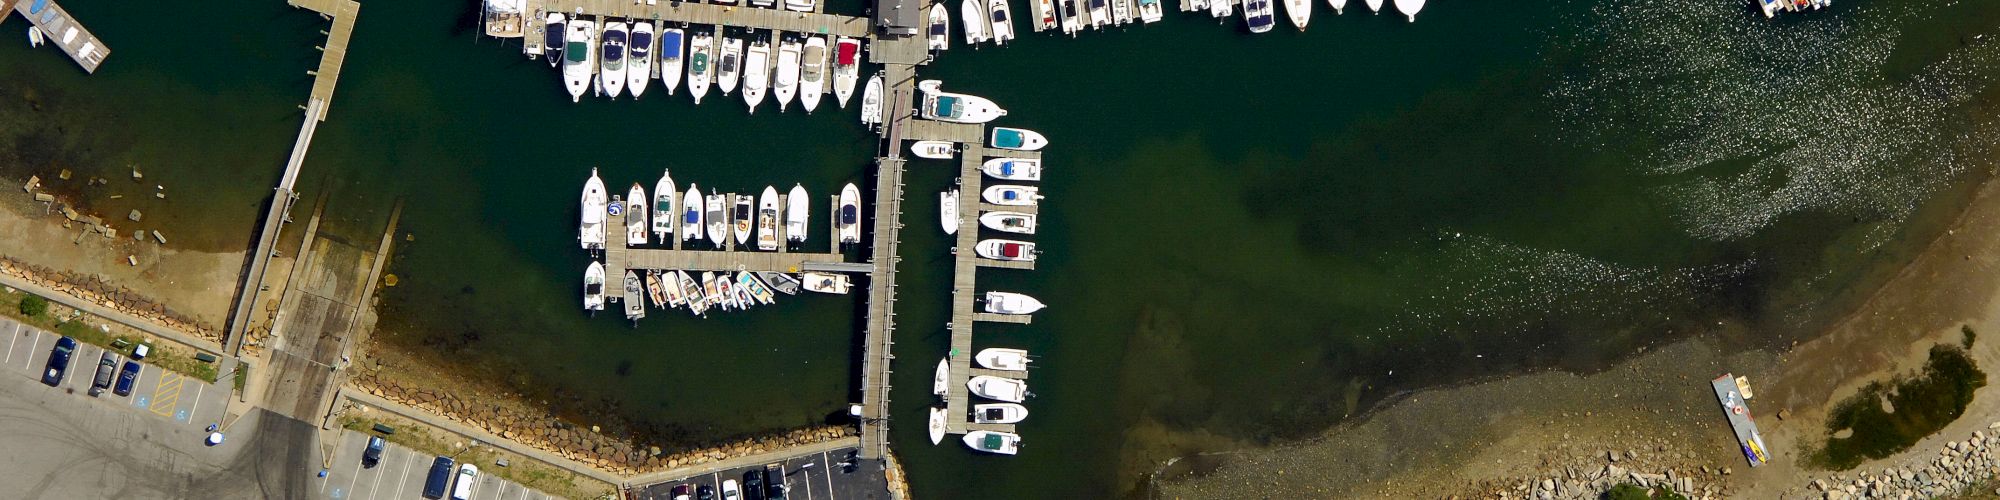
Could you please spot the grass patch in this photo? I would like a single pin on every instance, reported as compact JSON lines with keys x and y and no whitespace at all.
{"x":242,"y":376}
{"x":534,"y":475}
{"x":1886,"y":418}
{"x":171,"y":357}
{"x":1629,"y":491}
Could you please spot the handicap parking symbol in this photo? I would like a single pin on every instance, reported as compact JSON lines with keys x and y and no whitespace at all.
{"x":141,"y":402}
{"x":337,"y":493}
{"x":181,"y":415}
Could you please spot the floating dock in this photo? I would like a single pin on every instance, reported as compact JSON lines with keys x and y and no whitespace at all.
{"x":1735,"y":406}
{"x":619,"y":255}
{"x":60,"y":29}
{"x":964,"y":289}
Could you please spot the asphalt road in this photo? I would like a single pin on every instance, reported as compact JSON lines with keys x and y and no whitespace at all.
{"x":806,"y":478}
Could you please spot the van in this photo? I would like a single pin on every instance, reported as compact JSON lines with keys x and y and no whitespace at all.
{"x":439,"y":477}
{"x":107,"y":365}
{"x":462,"y":489}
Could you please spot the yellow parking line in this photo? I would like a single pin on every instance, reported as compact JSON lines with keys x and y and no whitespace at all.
{"x":167,"y":393}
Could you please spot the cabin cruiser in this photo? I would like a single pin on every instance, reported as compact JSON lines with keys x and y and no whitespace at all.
{"x":1001,"y":358}
{"x":939,"y":36}
{"x":691,"y":211}
{"x":783,"y":283}
{"x":579,"y":57}
{"x":999,"y":413}
{"x":593,"y":287}
{"x":701,"y":65}
{"x":1011,"y":195}
{"x":1018,"y":139}
{"x":936,"y":425}
{"x":756,"y":73}
{"x":871,"y":101}
{"x":718,"y":219}
{"x":812,"y":73}
{"x":1150,"y":11}
{"x":731,"y":64}
{"x":635,"y":302}
{"x":663,"y":208}
{"x":997,"y":388}
{"x":1045,"y":14}
{"x":1012,"y":303}
{"x":948,"y":211}
{"x":846,"y":68}
{"x":958,"y":108}
{"x":745,"y":217}
{"x":1003,"y":23}
{"x":1300,"y":12}
{"x":591,"y":230}
{"x":1010,"y":222}
{"x":670,"y":49}
{"x":767,"y":219}
{"x":796,"y":215}
{"x":850,"y":215}
{"x":973,"y":14}
{"x":1003,"y":443}
{"x":639,"y":73}
{"x":553,"y":29}
{"x":1013,"y":169}
{"x":997,"y":249}
{"x":611,"y":71}
{"x":635,"y":216}
{"x":1410,"y":8}
{"x":825,"y":283}
{"x":936,"y":150}
{"x":786,"y":83}
{"x":1257,"y":14}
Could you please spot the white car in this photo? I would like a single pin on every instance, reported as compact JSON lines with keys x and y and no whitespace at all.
{"x":462,"y":489}
{"x":729,"y":491}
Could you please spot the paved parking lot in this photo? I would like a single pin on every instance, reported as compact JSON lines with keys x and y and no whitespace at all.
{"x":401,"y":475}
{"x":806,"y":478}
{"x":157,"y":392}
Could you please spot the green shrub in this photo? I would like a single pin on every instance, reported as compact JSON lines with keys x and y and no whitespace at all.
{"x":34,"y":306}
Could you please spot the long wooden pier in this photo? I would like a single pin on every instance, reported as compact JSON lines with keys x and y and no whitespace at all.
{"x":964,"y":293}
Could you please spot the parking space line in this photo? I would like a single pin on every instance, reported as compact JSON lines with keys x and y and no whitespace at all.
{"x":13,"y":338}
{"x":30,"y":366}
{"x":375,"y":490}
{"x":406,"y":470}
{"x":828,"y":464}
{"x":356,"y":474}
{"x":196,"y":408}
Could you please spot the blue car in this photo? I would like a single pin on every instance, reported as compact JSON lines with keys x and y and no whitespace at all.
{"x":126,"y":377}
{"x":58,"y":361}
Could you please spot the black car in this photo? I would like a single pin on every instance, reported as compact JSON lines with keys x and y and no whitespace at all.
{"x":704,"y":492}
{"x":373,"y":455}
{"x":680,"y":492}
{"x":107,"y":365}
{"x":58,"y":361}
{"x":774,"y":482}
{"x":440,"y":476}
{"x":126,"y":378}
{"x":753,"y":485}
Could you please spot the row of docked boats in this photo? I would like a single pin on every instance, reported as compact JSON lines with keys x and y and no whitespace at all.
{"x":700,"y":292}
{"x":1773,"y":7}
{"x":983,"y":21}
{"x":1260,"y":15}
{"x":722,"y":217}
{"x":621,"y":56}
{"x":1005,"y":408}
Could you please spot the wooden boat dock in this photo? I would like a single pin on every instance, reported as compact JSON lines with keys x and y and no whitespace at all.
{"x":694,"y":12}
{"x":60,"y":29}
{"x":619,"y":255}
{"x":964,"y":290}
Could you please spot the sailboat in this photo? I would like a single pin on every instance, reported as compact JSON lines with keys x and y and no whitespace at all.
{"x":701,"y":65}
{"x":670,"y":50}
{"x":846,"y":68}
{"x":1300,"y":11}
{"x":767,"y":220}
{"x":718,"y":220}
{"x":871,"y":101}
{"x":785,"y":84}
{"x":812,"y":74}
{"x":948,"y":211}
{"x":593,"y":287}
{"x":795,"y":214}
{"x":939,"y":37}
{"x":635,"y":216}
{"x":663,"y":208}
{"x":756,"y":73}
{"x":691,"y":214}
{"x":639,"y":74}
{"x":579,"y":57}
{"x":731,"y":64}
{"x":590,"y":231}
{"x":611,"y":71}
{"x":850,"y":214}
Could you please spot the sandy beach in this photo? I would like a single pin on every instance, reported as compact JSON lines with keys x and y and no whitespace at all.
{"x":197,"y":284}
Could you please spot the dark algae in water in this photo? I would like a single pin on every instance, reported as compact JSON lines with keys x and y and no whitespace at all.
{"x":1886,"y":418}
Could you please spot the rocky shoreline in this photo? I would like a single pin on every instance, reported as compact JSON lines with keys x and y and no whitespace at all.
{"x":1957,"y":466}
{"x":95,"y":289}
{"x":1571,"y":473}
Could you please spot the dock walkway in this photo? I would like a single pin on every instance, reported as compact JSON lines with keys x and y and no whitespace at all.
{"x":964,"y":293}
{"x":692,"y":12}
{"x":63,"y":31}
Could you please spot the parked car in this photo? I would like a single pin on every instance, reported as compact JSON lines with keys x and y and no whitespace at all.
{"x":681,"y":492}
{"x":704,"y":492}
{"x":439,"y":477}
{"x":58,"y":361}
{"x":462,"y":489}
{"x":126,"y":377}
{"x":774,"y":482}
{"x":729,"y":491}
{"x":753,"y":485}
{"x":373,"y":455}
{"x":107,"y":365}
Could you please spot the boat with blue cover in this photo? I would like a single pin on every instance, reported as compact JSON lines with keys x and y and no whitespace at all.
{"x":1018,"y":139}
{"x":1013,"y":169}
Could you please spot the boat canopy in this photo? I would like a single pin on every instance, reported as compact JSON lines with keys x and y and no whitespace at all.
{"x":1007,"y":168}
{"x":575,"y":51}
{"x":1008,"y":138}
{"x":847,"y":52}
{"x":692,"y":216}
{"x":999,"y":16}
{"x":940,"y":29}
{"x":670,"y":44}
{"x":946,"y":106}
{"x":849,"y":214}
{"x":1010,"y":195}
{"x":699,"y":63}
{"x":1010,"y":250}
{"x":640,"y":41}
{"x":993,"y":442}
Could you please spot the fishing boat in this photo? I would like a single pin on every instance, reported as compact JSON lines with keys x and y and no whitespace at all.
{"x":1374,"y":5}
{"x":999,"y":413}
{"x":1003,"y":443}
{"x":1301,"y":12}
{"x":812,"y":73}
{"x":726,"y":290}
{"x":1011,"y":195}
{"x":959,"y":108}
{"x":846,"y":68}
{"x":800,"y":5}
{"x":1001,"y":358}
{"x":1010,"y":222}
{"x":948,"y":211}
{"x":1018,"y":139}
{"x":1409,"y":8}
{"x":997,"y":249}
{"x":756,"y":73}
{"x":973,"y":14}
{"x":1045,"y":14}
{"x":611,"y":71}
{"x":635,"y":216}
{"x":850,"y":215}
{"x":593,"y":287}
{"x":936,"y":150}
{"x":1012,"y":303}
{"x":743,"y":296}
{"x":670,"y":49}
{"x":1257,"y":14}
{"x":936,"y":426}
{"x":591,"y":230}
{"x":871,"y":101}
{"x":825,"y":283}
{"x":691,"y":214}
{"x":635,"y":302}
{"x":767,"y":219}
{"x":745,"y":217}
{"x":553,"y":29}
{"x":1003,"y":22}
{"x":940,"y":32}
{"x":1070,"y":24}
{"x":1220,"y":9}
{"x":731,"y":64}
{"x":786,"y":83}
{"x":1100,"y":13}
{"x":506,"y":18}
{"x":697,"y":302}
{"x":997,"y":388}
{"x":579,"y":57}
{"x":796,"y":214}
{"x":1013,"y":169}
{"x":1151,"y":12}
{"x":941,"y":382}
{"x":654,"y":291}
{"x":718,"y":219}
{"x":670,"y":283}
{"x":639,"y":74}
{"x":663,"y":208}
{"x":701,"y":67}
{"x":755,"y":287}
{"x":711,"y":291}
{"x":1339,"y":6}
{"x":783,"y":283}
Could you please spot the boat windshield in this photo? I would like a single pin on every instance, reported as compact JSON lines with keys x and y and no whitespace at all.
{"x":993,"y":441}
{"x":848,"y":214}
{"x":947,"y":106}
{"x":999,"y":16}
{"x":576,"y":51}
{"x":1007,"y":138}
{"x":937,"y":29}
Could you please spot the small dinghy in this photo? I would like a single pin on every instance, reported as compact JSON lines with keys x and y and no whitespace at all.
{"x":999,"y":413}
{"x":936,"y":426}
{"x":948,"y":211}
{"x":997,"y":249}
{"x":936,"y":150}
{"x":1018,"y":139}
{"x":1011,"y":222}
{"x":1012,"y":303}
{"x":997,"y":388}
{"x":654,"y":291}
{"x":1003,"y":443}
{"x":1013,"y":169}
{"x":670,"y":281}
{"x":1000,"y":358}
{"x":1011,"y":195}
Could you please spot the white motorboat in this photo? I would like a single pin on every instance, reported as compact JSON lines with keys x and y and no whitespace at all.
{"x":846,"y":68}
{"x":939,"y":36}
{"x":593,"y":287}
{"x":639,"y":71}
{"x":941,"y":382}
{"x":590,"y":232}
{"x":1258,"y":15}
{"x":691,"y":210}
{"x":1001,"y":358}
{"x":812,"y":73}
{"x":936,"y":425}
{"x":1011,"y":195}
{"x":825,"y":283}
{"x":767,"y":219}
{"x":1151,"y":12}
{"x":1045,"y":14}
{"x":635,"y":291}
{"x":850,"y":215}
{"x":506,"y":18}
{"x":783,"y":283}
{"x":764,"y":3}
{"x":1121,"y":12}
{"x":997,"y":249}
{"x":1409,"y":8}
{"x":796,"y":214}
{"x":936,"y":150}
{"x":635,"y":216}
{"x":800,"y":5}
{"x":1070,"y":23}
{"x":1300,"y":12}
{"x":724,"y":292}
{"x":1012,"y":303}
{"x":663,"y":208}
{"x":997,"y":388}
{"x":1339,"y":6}
{"x":959,"y":108}
{"x":749,"y":284}
{"x":948,"y":211}
{"x":756,"y":73}
{"x":973,"y":15}
{"x":1221,"y":9}
{"x":1010,"y":222}
{"x":1003,"y":443}
{"x":786,"y":82}
{"x":611,"y":70}
{"x":711,"y":293}
{"x":1013,"y":169}
{"x":670,"y":286}
{"x":998,"y":413}
{"x":671,"y":52}
{"x":579,"y":57}
{"x":697,"y":302}
{"x":701,"y":65}
{"x":1770,"y":9}
{"x":654,"y":291}
{"x":871,"y":101}
{"x":1018,"y":139}
{"x":1100,"y":13}
{"x":554,"y":27}
{"x":1003,"y":22}
{"x":730,"y":64}
{"x":745,"y":216}
{"x":1374,"y":5}
{"x":718,"y":219}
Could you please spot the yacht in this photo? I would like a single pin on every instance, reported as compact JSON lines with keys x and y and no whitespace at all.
{"x":1011,"y":195}
{"x":786,"y":82}
{"x":691,"y":214}
{"x":1018,"y":139}
{"x":663,"y":208}
{"x":1150,"y":11}
{"x":1009,"y":222}
{"x":1301,"y":12}
{"x":846,"y":68}
{"x":697,"y":302}
{"x":653,"y":290}
{"x":783,"y":283}
{"x":1013,"y":169}
{"x":1006,"y":250}
{"x":936,"y":150}
{"x":1067,"y":9}
{"x":1410,"y":8}
{"x":1257,"y":14}
{"x":1374,"y":5}
{"x":701,"y":65}
{"x":1100,"y":13}
{"x":635,"y":302}
{"x":948,"y":211}
{"x":799,"y":5}
{"x":635,"y":216}
{"x":1003,"y":23}
{"x":941,"y":381}
{"x":850,"y":215}
{"x":999,"y":413}
{"x":826,"y":283}
{"x":940,"y":33}
{"x":997,"y":388}
{"x":593,"y":287}
{"x":670,"y":50}
{"x":1012,"y":303}
{"x":871,"y":101}
{"x":767,"y":219}
{"x":756,"y":73}
{"x":796,"y":204}
{"x":639,"y":75}
{"x":579,"y":57}
{"x":973,"y":15}
{"x":744,"y":216}
{"x":959,"y":108}
{"x":936,"y":426}
{"x":591,"y":231}
{"x":1004,"y":443}
{"x":1221,"y":9}
{"x":1045,"y":14}
{"x":730,"y":65}
{"x":812,"y":73}
{"x":506,"y":18}
{"x":552,"y":30}
{"x":718,"y":220}
{"x":1000,"y":358}
{"x":1339,"y":6}
{"x":611,"y":71}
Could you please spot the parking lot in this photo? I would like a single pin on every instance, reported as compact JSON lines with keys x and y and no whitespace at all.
{"x":401,"y":475}
{"x":157,"y":392}
{"x":806,"y":478}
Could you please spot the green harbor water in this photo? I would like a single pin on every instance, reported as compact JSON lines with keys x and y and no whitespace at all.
{"x":1247,"y":237}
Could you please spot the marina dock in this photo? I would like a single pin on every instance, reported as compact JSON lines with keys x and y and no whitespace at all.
{"x":964,"y":290}
{"x":60,"y":29}
{"x":690,"y":12}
